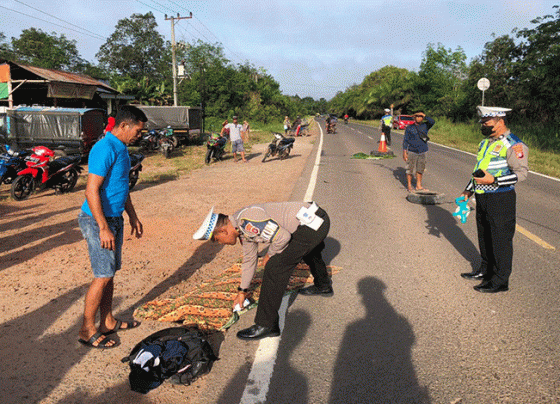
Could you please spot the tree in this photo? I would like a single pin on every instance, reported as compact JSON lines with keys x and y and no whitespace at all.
{"x":5,"y":50}
{"x":539,"y":64}
{"x":136,"y":49}
{"x":46,"y":50}
{"x":438,"y":84}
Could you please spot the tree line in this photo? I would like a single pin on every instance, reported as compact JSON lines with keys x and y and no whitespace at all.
{"x":523,"y":69}
{"x":136,"y":60}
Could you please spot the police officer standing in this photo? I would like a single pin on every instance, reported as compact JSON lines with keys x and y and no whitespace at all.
{"x":386,"y":123}
{"x":294,"y":231}
{"x":501,"y":163}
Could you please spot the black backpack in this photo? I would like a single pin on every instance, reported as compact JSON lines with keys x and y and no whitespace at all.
{"x":177,"y":353}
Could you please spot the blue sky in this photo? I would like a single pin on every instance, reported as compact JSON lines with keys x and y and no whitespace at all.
{"x":312,"y":48}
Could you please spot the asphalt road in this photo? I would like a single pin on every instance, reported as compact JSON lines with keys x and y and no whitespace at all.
{"x":403,"y":326}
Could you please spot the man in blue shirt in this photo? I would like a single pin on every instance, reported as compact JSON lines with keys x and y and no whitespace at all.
{"x":101,"y":222}
{"x":415,"y":148}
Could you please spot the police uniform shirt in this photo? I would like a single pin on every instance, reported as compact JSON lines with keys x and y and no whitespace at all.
{"x":517,"y":161}
{"x":270,"y":223}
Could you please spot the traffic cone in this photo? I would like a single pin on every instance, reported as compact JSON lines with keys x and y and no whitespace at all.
{"x":382,"y":144}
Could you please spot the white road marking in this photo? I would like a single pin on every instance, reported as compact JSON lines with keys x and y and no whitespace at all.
{"x":258,"y":382}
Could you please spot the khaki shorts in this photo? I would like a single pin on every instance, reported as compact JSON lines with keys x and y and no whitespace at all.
{"x":416,"y":163}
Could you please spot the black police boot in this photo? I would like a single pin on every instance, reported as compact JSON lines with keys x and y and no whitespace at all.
{"x":316,"y":291}
{"x":258,"y":332}
{"x":477,"y":274}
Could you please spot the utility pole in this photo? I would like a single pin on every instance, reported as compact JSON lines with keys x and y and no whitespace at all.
{"x":173,"y":46}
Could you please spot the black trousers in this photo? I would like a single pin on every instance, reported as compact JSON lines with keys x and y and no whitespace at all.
{"x":387,"y":131}
{"x":495,"y":222}
{"x":306,"y":244}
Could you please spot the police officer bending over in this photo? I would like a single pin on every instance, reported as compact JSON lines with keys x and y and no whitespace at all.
{"x":501,"y":163}
{"x":295,"y":231}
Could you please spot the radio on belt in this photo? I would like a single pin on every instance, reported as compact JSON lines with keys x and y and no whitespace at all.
{"x":307,"y":217}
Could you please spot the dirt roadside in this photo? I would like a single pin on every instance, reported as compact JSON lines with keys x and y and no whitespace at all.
{"x":45,"y":271}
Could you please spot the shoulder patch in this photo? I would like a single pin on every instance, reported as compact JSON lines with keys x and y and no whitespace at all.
{"x":518,"y":149}
{"x":261,"y":232}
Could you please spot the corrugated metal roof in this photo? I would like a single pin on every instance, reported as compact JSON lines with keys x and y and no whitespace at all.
{"x":54,"y":110}
{"x":65,"y":77}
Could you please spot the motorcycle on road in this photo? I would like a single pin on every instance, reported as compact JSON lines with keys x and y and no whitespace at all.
{"x":42,"y":172}
{"x":280,"y":145}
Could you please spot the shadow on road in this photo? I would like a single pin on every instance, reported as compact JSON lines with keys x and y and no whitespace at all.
{"x":33,"y":340}
{"x":441,"y":222}
{"x":297,"y":325}
{"x":374,"y":363}
{"x":289,"y":385}
{"x":332,"y":248}
{"x":203,"y":255}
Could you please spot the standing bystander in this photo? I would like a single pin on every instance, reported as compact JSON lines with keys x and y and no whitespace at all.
{"x":415,"y":148}
{"x":235,"y":137}
{"x":102,"y":224}
{"x":287,"y":125}
{"x":245,"y":131}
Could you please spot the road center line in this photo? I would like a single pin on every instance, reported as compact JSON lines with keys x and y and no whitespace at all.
{"x":258,"y":382}
{"x":534,"y":238}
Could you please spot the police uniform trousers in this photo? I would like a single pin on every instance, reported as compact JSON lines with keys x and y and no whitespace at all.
{"x":495,"y":222}
{"x":306,"y":244}
{"x":387,"y":131}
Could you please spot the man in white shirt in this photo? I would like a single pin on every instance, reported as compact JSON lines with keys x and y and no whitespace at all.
{"x":235,"y":137}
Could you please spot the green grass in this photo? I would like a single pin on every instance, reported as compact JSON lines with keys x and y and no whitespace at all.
{"x":544,"y":143}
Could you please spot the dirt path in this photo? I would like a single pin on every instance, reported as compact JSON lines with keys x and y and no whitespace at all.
{"x":44,"y":273}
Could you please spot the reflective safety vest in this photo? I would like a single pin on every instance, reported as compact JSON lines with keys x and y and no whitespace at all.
{"x":492,"y":158}
{"x":387,"y":120}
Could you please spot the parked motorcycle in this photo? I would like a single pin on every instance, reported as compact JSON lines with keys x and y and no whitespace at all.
{"x":43,"y":172}
{"x":11,"y":162}
{"x":153,"y":140}
{"x":216,"y":146}
{"x":170,"y":134}
{"x":135,"y":168}
{"x":280,"y":146}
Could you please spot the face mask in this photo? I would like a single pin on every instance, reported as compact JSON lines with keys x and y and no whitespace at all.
{"x":486,"y":130}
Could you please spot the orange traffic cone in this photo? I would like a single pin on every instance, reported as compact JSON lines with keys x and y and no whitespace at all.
{"x":382,"y":144}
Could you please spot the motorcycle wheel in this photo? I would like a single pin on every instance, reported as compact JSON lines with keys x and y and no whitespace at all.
{"x":68,"y":180}
{"x":285,"y":154}
{"x":208,"y":156}
{"x":266,"y":155}
{"x":22,"y":187}
{"x":133,"y":179}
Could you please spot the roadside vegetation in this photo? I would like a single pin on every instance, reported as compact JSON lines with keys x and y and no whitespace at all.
{"x":467,"y":136}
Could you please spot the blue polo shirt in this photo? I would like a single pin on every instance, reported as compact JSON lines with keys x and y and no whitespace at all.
{"x":109,"y":159}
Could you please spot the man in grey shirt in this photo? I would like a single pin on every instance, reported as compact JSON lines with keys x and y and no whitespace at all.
{"x":295,"y":231}
{"x":235,"y":136}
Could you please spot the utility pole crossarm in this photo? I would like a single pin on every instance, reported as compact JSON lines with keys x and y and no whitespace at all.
{"x":174,"y":57}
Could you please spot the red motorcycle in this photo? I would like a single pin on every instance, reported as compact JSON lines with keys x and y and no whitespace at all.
{"x":43,"y":171}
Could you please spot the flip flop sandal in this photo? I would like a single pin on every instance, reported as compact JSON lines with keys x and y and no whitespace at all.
{"x":129,"y":326}
{"x":101,"y":345}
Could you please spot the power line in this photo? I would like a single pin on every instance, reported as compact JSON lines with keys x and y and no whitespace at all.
{"x":50,"y":22}
{"x":59,"y":19}
{"x":151,"y":7}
